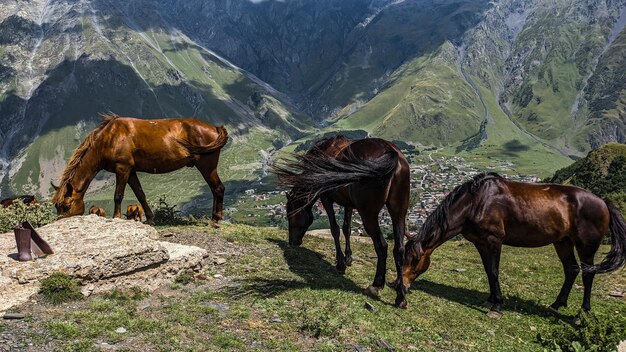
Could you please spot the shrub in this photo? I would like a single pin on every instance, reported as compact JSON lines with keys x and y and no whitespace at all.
{"x":37,"y":214}
{"x":166,"y":214}
{"x":595,"y":333}
{"x":59,"y":288}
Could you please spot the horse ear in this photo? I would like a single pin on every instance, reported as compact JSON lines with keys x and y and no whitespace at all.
{"x":70,"y":189}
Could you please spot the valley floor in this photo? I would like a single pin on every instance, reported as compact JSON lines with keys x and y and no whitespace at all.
{"x":256,"y":293}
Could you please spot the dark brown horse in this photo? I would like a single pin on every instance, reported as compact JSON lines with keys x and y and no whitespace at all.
{"x":134,"y":212}
{"x":26,"y":199}
{"x":490,"y":211}
{"x":126,"y":146}
{"x":364,"y":175}
{"x":97,"y":211}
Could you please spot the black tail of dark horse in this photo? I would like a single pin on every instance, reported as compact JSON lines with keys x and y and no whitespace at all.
{"x":617,"y":256}
{"x":312,"y":174}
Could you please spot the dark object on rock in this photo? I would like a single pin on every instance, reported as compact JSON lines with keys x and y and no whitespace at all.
{"x":28,"y":240}
{"x":13,"y":316}
{"x":22,"y":238}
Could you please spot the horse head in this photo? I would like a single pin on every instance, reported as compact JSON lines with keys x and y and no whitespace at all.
{"x":300,"y":217}
{"x":416,"y":261}
{"x":67,"y":202}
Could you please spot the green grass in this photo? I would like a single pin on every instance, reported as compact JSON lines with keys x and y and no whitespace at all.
{"x":427,"y":101}
{"x":281,"y":298}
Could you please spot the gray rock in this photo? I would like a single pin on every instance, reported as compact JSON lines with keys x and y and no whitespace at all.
{"x":102,"y":254}
{"x":13,"y":316}
{"x":120,"y":330}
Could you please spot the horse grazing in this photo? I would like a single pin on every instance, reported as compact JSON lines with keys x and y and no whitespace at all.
{"x":125,"y":146}
{"x":97,"y":211}
{"x":26,"y":199}
{"x":134,"y":212}
{"x":364,"y":175}
{"x":490,"y":211}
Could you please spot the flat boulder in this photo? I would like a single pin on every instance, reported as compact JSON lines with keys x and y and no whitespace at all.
{"x":102,"y":254}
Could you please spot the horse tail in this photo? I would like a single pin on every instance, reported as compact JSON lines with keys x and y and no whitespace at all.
{"x":217,"y":144}
{"x":312,"y":174}
{"x":617,"y":256}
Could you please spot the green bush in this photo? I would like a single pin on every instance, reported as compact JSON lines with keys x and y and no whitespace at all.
{"x":595,"y":333}
{"x":59,"y":288}
{"x":37,"y":214}
{"x":166,"y":214}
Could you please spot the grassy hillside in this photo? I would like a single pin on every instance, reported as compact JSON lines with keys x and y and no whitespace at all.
{"x":426,"y":101}
{"x":270,"y":297}
{"x":603,"y":172}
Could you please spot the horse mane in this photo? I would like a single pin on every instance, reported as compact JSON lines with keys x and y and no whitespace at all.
{"x":77,"y":156}
{"x":310,"y":174}
{"x":438,"y":219}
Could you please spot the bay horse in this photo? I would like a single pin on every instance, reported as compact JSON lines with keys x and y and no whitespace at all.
{"x":364,"y":175}
{"x":27,"y":199}
{"x":490,"y":211}
{"x":125,"y":146}
{"x":97,"y":211}
{"x":134,"y":212}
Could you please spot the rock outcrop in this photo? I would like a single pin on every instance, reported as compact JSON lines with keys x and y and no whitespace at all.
{"x":102,"y":254}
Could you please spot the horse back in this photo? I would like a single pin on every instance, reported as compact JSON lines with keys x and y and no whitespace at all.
{"x":539,"y":214}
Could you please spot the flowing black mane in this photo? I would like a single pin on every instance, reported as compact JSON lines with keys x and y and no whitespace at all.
{"x":313,"y":173}
{"x":438,"y":219}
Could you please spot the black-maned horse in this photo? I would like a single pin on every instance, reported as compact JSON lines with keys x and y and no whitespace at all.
{"x":365,"y":175}
{"x":490,"y":211}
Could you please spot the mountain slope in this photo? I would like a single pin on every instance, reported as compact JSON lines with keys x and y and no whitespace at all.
{"x":603,"y":171}
{"x":65,"y":63}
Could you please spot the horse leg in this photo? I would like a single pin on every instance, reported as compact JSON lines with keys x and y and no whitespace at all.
{"x":398,"y":204}
{"x":121,"y":178}
{"x":133,"y":182}
{"x":207,"y":165}
{"x":347,"y":222}
{"x":334,"y":230}
{"x":490,"y":255}
{"x":370,"y":222}
{"x":586,"y":251}
{"x":565,"y":251}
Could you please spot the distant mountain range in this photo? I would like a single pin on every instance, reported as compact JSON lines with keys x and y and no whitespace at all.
{"x":534,"y":81}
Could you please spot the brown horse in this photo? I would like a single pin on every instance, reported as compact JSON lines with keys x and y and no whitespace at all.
{"x":97,"y":211}
{"x":364,"y":175}
{"x":490,"y":211}
{"x":126,"y":146}
{"x":26,"y":199}
{"x":134,"y":212}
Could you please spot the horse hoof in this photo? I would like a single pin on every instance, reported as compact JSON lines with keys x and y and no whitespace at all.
{"x":372,"y":291}
{"x":401,"y":303}
{"x":215,"y":225}
{"x":494,"y":314}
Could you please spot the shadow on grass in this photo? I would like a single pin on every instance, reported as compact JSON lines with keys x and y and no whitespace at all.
{"x":315,"y":273}
{"x":474,"y":299}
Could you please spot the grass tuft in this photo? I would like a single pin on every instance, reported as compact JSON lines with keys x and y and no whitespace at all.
{"x":60,"y":288}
